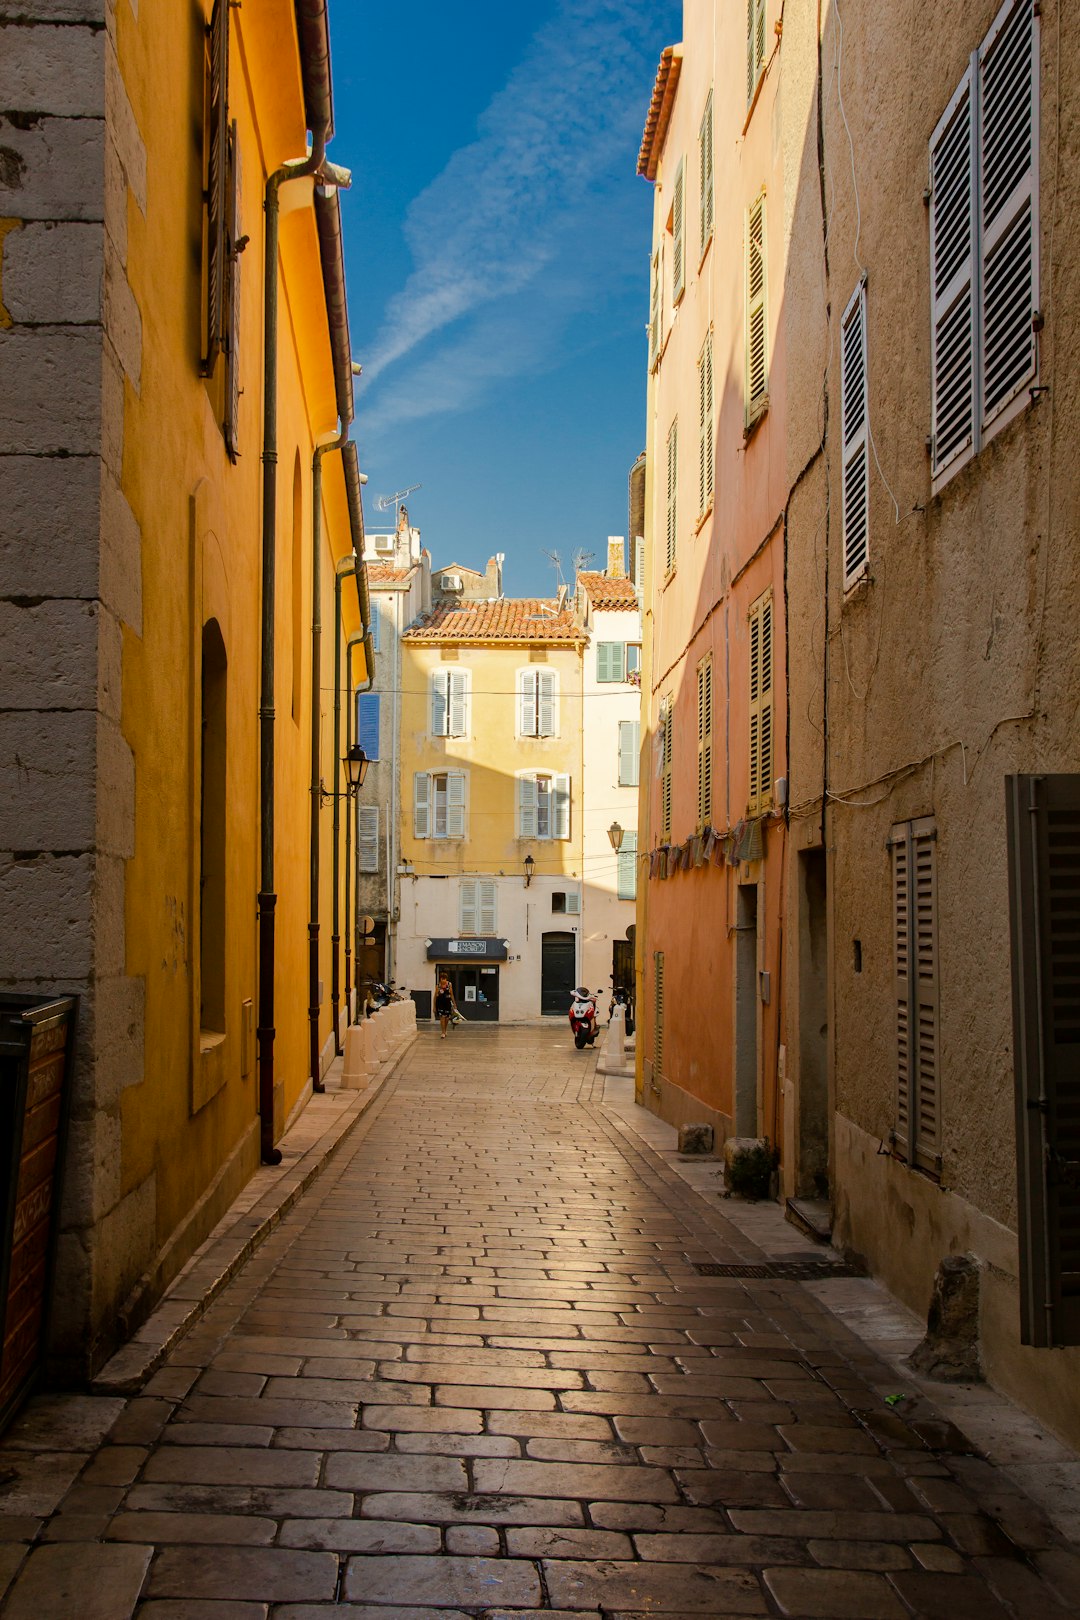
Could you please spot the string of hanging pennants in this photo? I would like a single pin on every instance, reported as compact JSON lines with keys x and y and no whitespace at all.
{"x":744,"y":842}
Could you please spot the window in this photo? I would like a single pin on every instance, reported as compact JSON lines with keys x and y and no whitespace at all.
{"x":761,"y":705}
{"x":706,"y":433}
{"x":217,"y":183}
{"x":665,"y":743}
{"x":656,"y":310}
{"x":704,"y":743}
{"x":235,"y":244}
{"x":367,"y":837}
{"x":677,"y":227}
{"x":612,"y":662}
{"x":633,"y":659}
{"x":629,"y":750}
{"x":705,"y":170}
{"x":984,"y":271}
{"x":543,"y":808}
{"x":449,"y":703}
{"x":213,"y":856}
{"x":367,"y":723}
{"x":376,"y":627}
{"x":853,"y":414}
{"x":538,"y":703}
{"x":658,"y":1015}
{"x":570,"y":903}
{"x":755,"y":45}
{"x":440,"y":800}
{"x":627,"y":867}
{"x":917,"y":1134}
{"x":672,"y":514}
{"x":757,"y":336}
{"x":1043,"y":841}
{"x":477,"y":906}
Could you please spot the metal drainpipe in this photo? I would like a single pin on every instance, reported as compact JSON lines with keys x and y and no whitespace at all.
{"x":352,"y":877}
{"x":345,"y":566}
{"x":304,"y":168}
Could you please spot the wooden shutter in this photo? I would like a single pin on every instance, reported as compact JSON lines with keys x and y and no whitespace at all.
{"x":374,"y":627}
{"x":658,"y":1015}
{"x":654,"y":313}
{"x":217,"y":183}
{"x":705,"y":173}
{"x":486,"y":906}
{"x":672,"y":493}
{"x":467,"y":916}
{"x":546,"y":702}
{"x":757,"y":333}
{"x":667,"y":722}
{"x":438,"y":805}
{"x":603,"y":661}
{"x":527,"y":706}
{"x":367,"y":837}
{"x":629,"y":749}
{"x":853,"y":412}
{"x":952,"y":281}
{"x":367,"y":723}
{"x":627,"y":867}
{"x":917,"y":1136}
{"x":232,"y":298}
{"x":440,"y":708}
{"x":455,"y":804}
{"x":560,"y":818}
{"x":678,"y":233}
{"x":527,"y":807}
{"x":706,"y":436}
{"x":422,"y":805}
{"x":705,"y":744}
{"x":1008,"y":204}
{"x":755,"y":45}
{"x":456,"y":698}
{"x":1043,"y":825}
{"x":761,"y":704}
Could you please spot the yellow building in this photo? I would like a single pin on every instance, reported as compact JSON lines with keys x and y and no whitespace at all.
{"x":491,"y":840}
{"x":159,"y":596}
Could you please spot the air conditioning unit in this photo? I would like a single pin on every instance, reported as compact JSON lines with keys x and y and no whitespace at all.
{"x":384,"y":542}
{"x":450,"y":582}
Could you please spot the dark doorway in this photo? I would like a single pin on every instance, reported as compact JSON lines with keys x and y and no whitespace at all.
{"x":558,"y":972}
{"x":622,"y":965}
{"x":476,"y":990}
{"x":746,"y":1013}
{"x":812,"y":1180}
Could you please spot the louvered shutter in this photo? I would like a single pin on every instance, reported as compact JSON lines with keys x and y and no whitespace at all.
{"x":952,"y":280}
{"x":367,"y":837}
{"x":367,"y":723}
{"x":232,"y":298}
{"x":917,"y":1135}
{"x":672,"y":493}
{"x":603,"y":661}
{"x":527,"y":806}
{"x":455,"y":804}
{"x":545,"y":681}
{"x":639,"y":570}
{"x":217,"y":184}
{"x":375,"y":627}
{"x":755,"y":44}
{"x":468,"y":906}
{"x":853,"y":412}
{"x":456,"y":693}
{"x":706,"y":444}
{"x":761,"y":705}
{"x":658,"y":1015}
{"x":757,"y":368}
{"x":1043,"y":823}
{"x":527,"y":704}
{"x":668,"y":722}
{"x":704,"y":698}
{"x":1008,"y":173}
{"x":560,"y":820}
{"x":678,"y":233}
{"x":902,"y":913}
{"x":421,"y":804}
{"x":654,"y":313}
{"x":629,"y":749}
{"x":627,"y":867}
{"x":486,"y":906}
{"x":705,"y":173}
{"x":440,"y":710}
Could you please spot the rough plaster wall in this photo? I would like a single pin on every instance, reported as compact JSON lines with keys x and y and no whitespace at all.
{"x":69,"y":580}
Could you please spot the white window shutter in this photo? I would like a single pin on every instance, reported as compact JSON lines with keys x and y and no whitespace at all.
{"x":952,"y":281}
{"x":422,"y":805}
{"x":455,"y":804}
{"x":456,"y":682}
{"x":678,"y":234}
{"x":367,"y":837}
{"x":486,"y":906}
{"x":527,"y":717}
{"x":854,"y":417}
{"x":1008,"y":204}
{"x":705,"y":167}
{"x":439,"y":706}
{"x":757,"y":324}
{"x":468,"y":906}
{"x":627,"y":867}
{"x":561,"y":816}
{"x":545,"y":681}
{"x":706,"y":445}
{"x":629,"y":733}
{"x":527,"y":799}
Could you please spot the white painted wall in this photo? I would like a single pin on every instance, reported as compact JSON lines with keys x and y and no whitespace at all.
{"x":604,"y":704}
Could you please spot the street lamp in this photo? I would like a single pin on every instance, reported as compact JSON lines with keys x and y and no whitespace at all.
{"x":615,"y":836}
{"x":356,"y":764}
{"x":529,"y":864}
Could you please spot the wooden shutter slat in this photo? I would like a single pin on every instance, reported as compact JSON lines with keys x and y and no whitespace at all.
{"x":367,"y":837}
{"x":757,"y":368}
{"x":952,"y":279}
{"x":672,"y":494}
{"x":678,"y":234}
{"x":854,"y":418}
{"x":705,"y":174}
{"x":217,"y":183}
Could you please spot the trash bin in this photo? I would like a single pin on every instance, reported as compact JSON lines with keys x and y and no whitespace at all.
{"x":423,"y":1002}
{"x":35,"y":1063}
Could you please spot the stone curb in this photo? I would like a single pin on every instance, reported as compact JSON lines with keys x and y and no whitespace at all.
{"x":231,"y":1244}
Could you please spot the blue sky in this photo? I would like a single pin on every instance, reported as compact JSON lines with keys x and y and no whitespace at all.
{"x":497,"y":245}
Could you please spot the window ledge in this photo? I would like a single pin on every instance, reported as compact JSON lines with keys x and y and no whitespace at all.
{"x":210,"y":1040}
{"x":754,"y":421}
{"x":705,"y":253}
{"x":705,"y":516}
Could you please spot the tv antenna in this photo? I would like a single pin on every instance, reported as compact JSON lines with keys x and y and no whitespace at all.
{"x":581,"y":559}
{"x":385,"y":502}
{"x":556,"y":562}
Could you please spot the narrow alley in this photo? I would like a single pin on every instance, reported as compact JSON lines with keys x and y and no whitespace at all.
{"x":481,"y":1367}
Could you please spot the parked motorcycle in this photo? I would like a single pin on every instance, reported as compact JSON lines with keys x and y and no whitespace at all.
{"x":621,"y":997}
{"x":583,"y":1017}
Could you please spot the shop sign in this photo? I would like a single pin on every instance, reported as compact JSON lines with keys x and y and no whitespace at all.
{"x":473,"y":949}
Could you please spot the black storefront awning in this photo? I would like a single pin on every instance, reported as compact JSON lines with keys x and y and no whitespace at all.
{"x":473,"y":949}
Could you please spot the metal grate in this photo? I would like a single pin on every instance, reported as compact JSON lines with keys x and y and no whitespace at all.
{"x":786,"y":1270}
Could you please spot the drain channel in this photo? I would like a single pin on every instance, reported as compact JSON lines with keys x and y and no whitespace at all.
{"x":785,"y":1270}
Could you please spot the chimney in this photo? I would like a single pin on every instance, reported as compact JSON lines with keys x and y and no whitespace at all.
{"x":402,"y":518}
{"x":615,"y":566}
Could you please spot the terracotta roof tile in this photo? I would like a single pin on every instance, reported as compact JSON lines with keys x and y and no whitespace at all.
{"x":609,"y":595}
{"x":527,"y":619}
{"x":381,"y":573}
{"x":659,"y":114}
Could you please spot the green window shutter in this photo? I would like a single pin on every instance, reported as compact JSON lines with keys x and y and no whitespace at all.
{"x":853,"y":415}
{"x":757,"y":330}
{"x":755,"y":45}
{"x":705,"y":174}
{"x":706,"y":429}
{"x":678,"y":233}
{"x":705,"y":744}
{"x":667,"y":726}
{"x":610,"y":661}
{"x":672,"y":514}
{"x":761,"y":704}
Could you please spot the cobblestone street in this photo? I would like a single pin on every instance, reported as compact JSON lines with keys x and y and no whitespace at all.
{"x":476,"y":1368}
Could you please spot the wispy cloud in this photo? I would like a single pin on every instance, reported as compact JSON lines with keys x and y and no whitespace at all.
{"x":522,"y":227}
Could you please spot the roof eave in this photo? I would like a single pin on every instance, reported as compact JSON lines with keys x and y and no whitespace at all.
{"x":659,"y":114}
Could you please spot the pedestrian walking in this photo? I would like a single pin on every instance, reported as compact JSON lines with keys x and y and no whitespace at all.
{"x":445,"y":1005}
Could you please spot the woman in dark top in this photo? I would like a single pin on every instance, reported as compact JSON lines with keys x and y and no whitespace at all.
{"x":445,"y":1005}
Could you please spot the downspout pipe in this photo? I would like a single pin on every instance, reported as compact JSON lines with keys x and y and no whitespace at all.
{"x":349,"y":564}
{"x":352,"y":857}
